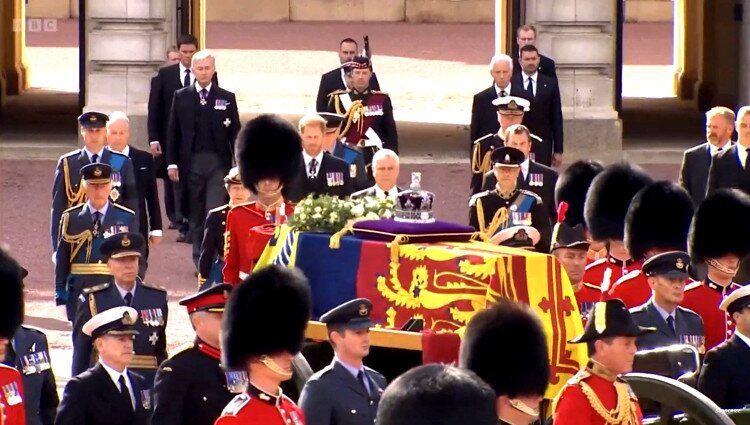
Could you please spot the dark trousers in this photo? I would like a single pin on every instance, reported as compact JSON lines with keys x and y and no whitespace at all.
{"x":205,"y":187}
{"x":169,"y":200}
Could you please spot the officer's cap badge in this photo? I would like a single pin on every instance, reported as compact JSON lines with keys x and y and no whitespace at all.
{"x":97,"y":172}
{"x":363,"y":310}
{"x":679,"y":264}
{"x":125,"y":241}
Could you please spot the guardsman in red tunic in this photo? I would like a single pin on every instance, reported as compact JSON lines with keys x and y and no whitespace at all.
{"x":268,"y":170}
{"x":597,"y":395}
{"x":606,"y":205}
{"x":12,"y":407}
{"x":263,"y":329}
{"x":658,"y":221}
{"x":570,"y":246}
{"x":719,"y":254}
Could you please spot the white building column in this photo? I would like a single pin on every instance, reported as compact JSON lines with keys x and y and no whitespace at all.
{"x":580,"y":35}
{"x":126,"y":42}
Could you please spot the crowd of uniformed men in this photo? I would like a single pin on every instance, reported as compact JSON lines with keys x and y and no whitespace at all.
{"x":652,"y":263}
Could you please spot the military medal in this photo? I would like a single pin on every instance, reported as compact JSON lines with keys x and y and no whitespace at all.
{"x":237,"y":381}
{"x":146,"y":399}
{"x":221,"y":105}
{"x":203,"y":102}
{"x":227,"y":122}
{"x":35,"y":363}
{"x":12,"y":394}
{"x":153,"y":339}
{"x":353,"y":171}
{"x":114,"y":194}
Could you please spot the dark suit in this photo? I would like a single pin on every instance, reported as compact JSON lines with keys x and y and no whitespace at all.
{"x":686,"y":323}
{"x":200,"y":141}
{"x":356,"y":160}
{"x":694,"y":171}
{"x":163,"y":86}
{"x":92,"y":398}
{"x":725,"y":377}
{"x":190,"y":388}
{"x":330,"y":82}
{"x":124,"y":187}
{"x":150,"y":345}
{"x":540,"y":179}
{"x":333,"y":395}
{"x":212,"y":246}
{"x":29,"y":353}
{"x":726,"y":172}
{"x":371,"y":191}
{"x":148,"y":201}
{"x":545,"y":117}
{"x":484,"y":119}
{"x":546,"y":66}
{"x":332,"y":179}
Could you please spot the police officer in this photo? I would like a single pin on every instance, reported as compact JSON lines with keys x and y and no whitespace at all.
{"x":507,"y":206}
{"x":123,"y":253}
{"x":667,"y":274}
{"x":12,"y":405}
{"x":369,"y":113}
{"x":190,"y":387}
{"x":719,"y":253}
{"x":108,"y":393}
{"x":29,"y":353}
{"x":506,"y":346}
{"x":268,"y":173}
{"x":346,"y":391}
{"x":597,"y":394}
{"x":332,"y":144}
{"x":67,"y":190}
{"x":263,"y":329}
{"x":79,"y":262}
{"x":212,"y":258}
{"x":510,"y":110}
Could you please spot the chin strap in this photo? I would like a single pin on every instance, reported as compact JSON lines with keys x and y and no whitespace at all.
{"x":275,"y":368}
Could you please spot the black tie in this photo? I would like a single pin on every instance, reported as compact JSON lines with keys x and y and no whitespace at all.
{"x":95,"y":158}
{"x":361,"y":378}
{"x":186,"y":82}
{"x":746,"y":159}
{"x":97,"y":221}
{"x":670,"y":324}
{"x":312,"y":170}
{"x":129,"y":299}
{"x":125,"y":392}
{"x":503,"y":93}
{"x":204,"y":95}
{"x":530,"y":87}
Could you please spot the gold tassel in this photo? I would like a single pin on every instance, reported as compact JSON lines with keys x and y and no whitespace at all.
{"x":73,"y":197}
{"x":395,"y":247}
{"x":335,"y":241}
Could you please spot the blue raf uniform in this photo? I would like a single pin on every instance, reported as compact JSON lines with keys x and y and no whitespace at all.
{"x":29,"y":353}
{"x":150,"y":344}
{"x":490,"y":211}
{"x":358,"y":170}
{"x":339,"y":393}
{"x":78,"y":261}
{"x":67,"y":190}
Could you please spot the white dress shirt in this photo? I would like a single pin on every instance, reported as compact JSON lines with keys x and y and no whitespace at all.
{"x":506,"y":89}
{"x":115,"y":376}
{"x":525,"y":169}
{"x":742,"y":154}
{"x":307,"y":158}
{"x":380,"y":193}
{"x":534,"y":80}
{"x":713,"y":150}
{"x":182,"y":75}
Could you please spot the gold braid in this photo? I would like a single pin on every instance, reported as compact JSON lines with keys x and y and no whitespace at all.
{"x":73,"y":197}
{"x":480,"y":164}
{"x":500,"y":217}
{"x":76,"y":241}
{"x":355,"y":115}
{"x":622,"y":414}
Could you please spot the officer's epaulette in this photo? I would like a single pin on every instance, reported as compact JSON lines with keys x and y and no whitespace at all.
{"x":34,"y":328}
{"x":96,"y":288}
{"x":478,"y":195}
{"x":378,"y":92}
{"x":71,"y":153}
{"x":592,"y":286}
{"x":692,"y":285}
{"x":74,"y":207}
{"x":596,"y":263}
{"x":219,"y":208}
{"x":483,"y":137}
{"x":535,"y":137}
{"x":237,"y":403}
{"x":338,"y":92}
{"x":155,"y":288}
{"x":182,"y":348}
{"x":124,"y":208}
{"x":626,"y":277}
{"x":582,"y":375}
{"x":241,"y":204}
{"x":530,"y":193}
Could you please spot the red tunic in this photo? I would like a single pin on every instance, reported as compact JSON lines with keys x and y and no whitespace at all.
{"x":572,"y":407}
{"x":704,"y":298}
{"x":595,"y":271}
{"x":255,"y":407}
{"x":632,"y":289}
{"x":12,"y":410}
{"x":586,"y":297}
{"x":243,"y":247}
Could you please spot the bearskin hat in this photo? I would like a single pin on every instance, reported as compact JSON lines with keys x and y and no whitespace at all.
{"x":11,"y":295}
{"x":268,"y":146}
{"x":520,"y":371}
{"x":724,"y":206}
{"x":658,"y":218}
{"x":267,"y":313}
{"x":609,"y":197}
{"x":572,"y":186}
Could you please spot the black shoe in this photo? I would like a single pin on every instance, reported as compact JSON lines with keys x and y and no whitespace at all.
{"x":173,"y":225}
{"x":183,"y":237}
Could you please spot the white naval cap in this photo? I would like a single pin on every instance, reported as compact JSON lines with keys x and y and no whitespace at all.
{"x":115,"y":321}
